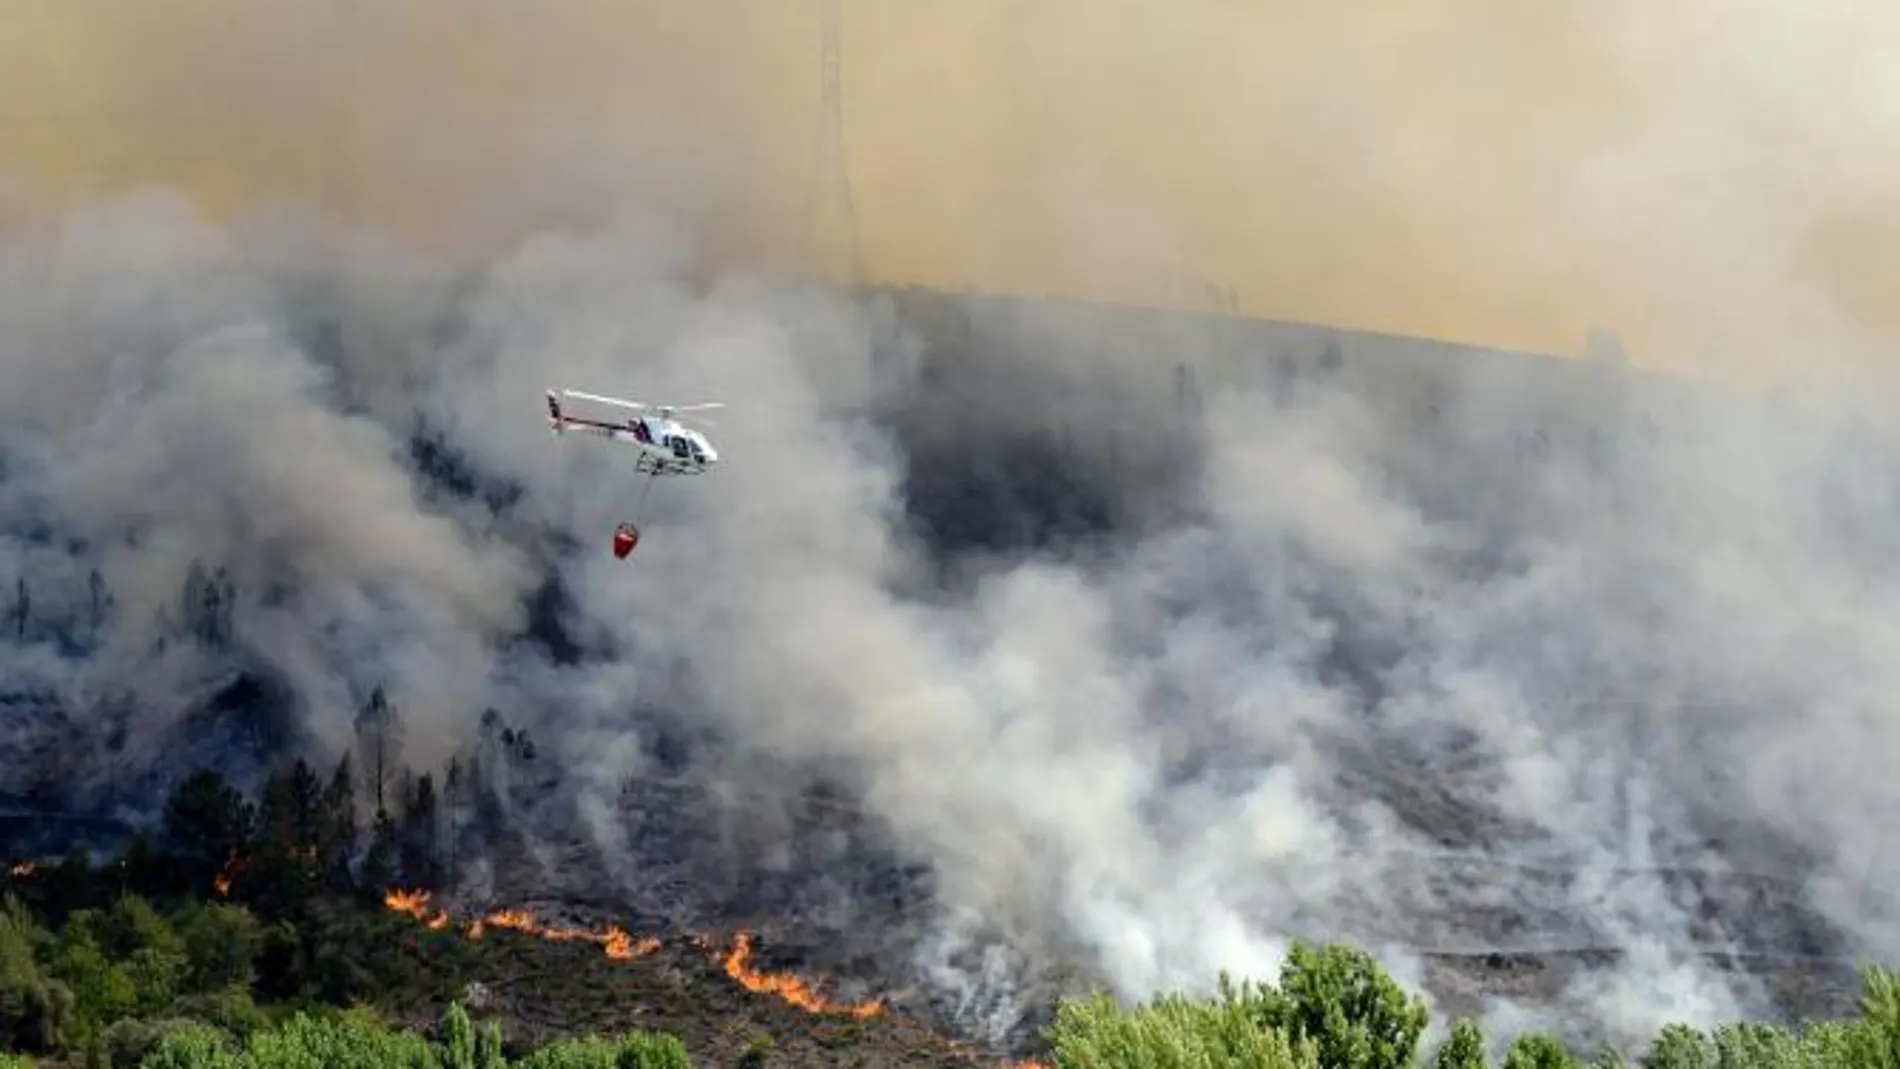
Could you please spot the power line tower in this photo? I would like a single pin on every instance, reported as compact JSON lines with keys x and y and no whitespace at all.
{"x":831,"y":218}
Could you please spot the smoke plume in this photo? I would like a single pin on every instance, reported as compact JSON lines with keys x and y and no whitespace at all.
{"x":1438,"y":656}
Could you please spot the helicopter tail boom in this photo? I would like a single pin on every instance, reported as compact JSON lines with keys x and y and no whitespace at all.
{"x":559,"y":421}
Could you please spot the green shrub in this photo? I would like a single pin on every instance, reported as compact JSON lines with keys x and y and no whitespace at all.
{"x":143,"y":945}
{"x":469,"y":1048}
{"x":635,"y":1050}
{"x":1175,"y":1032}
{"x":221,"y":945}
{"x":354,"y":1039}
{"x":311,"y":1042}
{"x":1878,"y":1042}
{"x":197,"y":1046}
{"x":1678,"y":1046}
{"x":35,"y":1009}
{"x":230,"y":1010}
{"x":1750,"y":1045}
{"x":1463,"y":1049}
{"x":102,"y":991}
{"x":127,"y":1043}
{"x":1538,"y":1050}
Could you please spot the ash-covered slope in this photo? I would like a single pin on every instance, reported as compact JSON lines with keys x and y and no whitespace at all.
{"x":1011,"y":646}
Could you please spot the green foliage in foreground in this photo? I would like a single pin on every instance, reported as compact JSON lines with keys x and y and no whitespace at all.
{"x":358,"y":1041}
{"x":120,"y":985}
{"x":1334,"y":1008}
{"x":127,"y":988}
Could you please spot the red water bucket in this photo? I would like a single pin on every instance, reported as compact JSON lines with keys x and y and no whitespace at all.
{"x":626,"y":536}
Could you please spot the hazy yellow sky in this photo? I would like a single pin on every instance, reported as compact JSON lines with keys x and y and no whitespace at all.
{"x":1713,"y":180}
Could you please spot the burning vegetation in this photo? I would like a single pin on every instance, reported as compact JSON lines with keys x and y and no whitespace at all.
{"x":614,"y":941}
{"x":785,"y":985}
{"x":617,"y":943}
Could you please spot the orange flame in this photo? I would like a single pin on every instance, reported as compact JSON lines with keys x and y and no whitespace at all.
{"x":416,"y":904}
{"x":617,"y":943}
{"x":786,"y":986}
{"x":21,"y":869}
{"x":614,"y":941}
{"x":221,"y":883}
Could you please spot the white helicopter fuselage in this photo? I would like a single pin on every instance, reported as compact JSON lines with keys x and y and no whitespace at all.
{"x":669,"y":448}
{"x":663,"y":446}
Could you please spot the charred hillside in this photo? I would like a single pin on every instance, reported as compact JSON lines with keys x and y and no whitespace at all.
{"x":1016,"y":646}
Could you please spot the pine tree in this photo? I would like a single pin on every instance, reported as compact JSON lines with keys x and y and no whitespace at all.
{"x":454,"y":789}
{"x":1464,"y":1049}
{"x":379,"y":864}
{"x":207,"y":824}
{"x":290,"y":814}
{"x":377,"y":733}
{"x":418,"y":854}
{"x":337,"y":842}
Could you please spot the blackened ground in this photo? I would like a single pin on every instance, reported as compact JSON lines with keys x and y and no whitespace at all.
{"x":539,"y":991}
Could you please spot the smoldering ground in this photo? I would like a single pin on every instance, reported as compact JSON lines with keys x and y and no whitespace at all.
{"x":1445,"y":658}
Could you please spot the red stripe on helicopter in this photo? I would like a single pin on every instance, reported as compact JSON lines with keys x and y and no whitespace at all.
{"x":595,"y":423}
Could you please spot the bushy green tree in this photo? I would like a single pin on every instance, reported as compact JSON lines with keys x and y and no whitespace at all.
{"x":1539,"y":1050}
{"x":1838,"y":1043}
{"x":337,"y":843}
{"x":230,"y":1010}
{"x":207,"y":823}
{"x":470,"y":1048}
{"x":1339,"y":997}
{"x":102,"y":991}
{"x":221,"y":942}
{"x":141,"y":943}
{"x":1175,"y":1032}
{"x":1463,"y":1049}
{"x":1752,"y":1045}
{"x":1878,"y":1042}
{"x":1678,"y":1046}
{"x":35,"y":1009}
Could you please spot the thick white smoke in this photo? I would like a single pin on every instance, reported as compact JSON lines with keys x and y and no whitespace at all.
{"x":1408,"y":686}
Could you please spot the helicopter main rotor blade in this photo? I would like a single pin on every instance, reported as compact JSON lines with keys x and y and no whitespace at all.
{"x":639,"y":406}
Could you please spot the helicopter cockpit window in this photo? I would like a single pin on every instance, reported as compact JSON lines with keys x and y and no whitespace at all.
{"x":680,"y":445}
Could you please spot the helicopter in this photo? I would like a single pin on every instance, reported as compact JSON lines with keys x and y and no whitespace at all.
{"x":663,"y":445}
